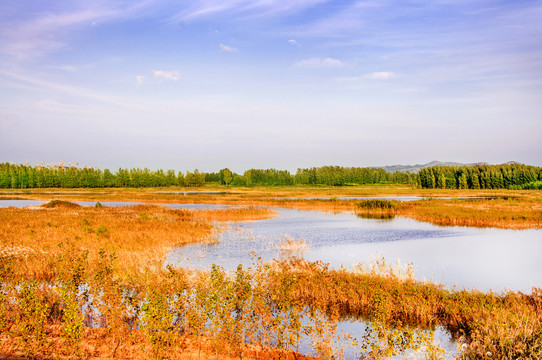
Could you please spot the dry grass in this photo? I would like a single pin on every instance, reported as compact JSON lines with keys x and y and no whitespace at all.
{"x":140,"y":236}
{"x":516,"y":209}
{"x":509,"y":213}
{"x":508,"y":326}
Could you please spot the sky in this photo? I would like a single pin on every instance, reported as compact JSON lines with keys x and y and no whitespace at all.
{"x":270,"y":84}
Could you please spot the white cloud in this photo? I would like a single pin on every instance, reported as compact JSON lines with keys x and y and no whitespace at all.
{"x":292,"y":42}
{"x":319,"y":63}
{"x":168,"y":75}
{"x":381,"y":75}
{"x":227,"y":48}
{"x":140,"y":79}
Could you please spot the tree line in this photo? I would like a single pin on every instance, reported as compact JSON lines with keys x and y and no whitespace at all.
{"x":509,"y":176}
{"x":24,"y":176}
{"x":513,"y":176}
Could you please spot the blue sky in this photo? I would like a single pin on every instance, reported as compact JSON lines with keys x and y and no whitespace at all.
{"x":283,"y":84}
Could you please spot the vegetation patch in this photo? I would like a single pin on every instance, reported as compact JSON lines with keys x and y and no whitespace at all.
{"x":60,"y":204}
{"x":377,"y":204}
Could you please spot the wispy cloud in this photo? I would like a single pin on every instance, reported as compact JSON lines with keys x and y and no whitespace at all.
{"x":140,"y":79}
{"x":226,"y":48}
{"x":47,"y":85}
{"x":250,"y":8}
{"x":39,"y":36}
{"x":292,"y":42}
{"x":381,"y":75}
{"x":31,"y":37}
{"x":319,"y":63}
{"x":168,"y":75}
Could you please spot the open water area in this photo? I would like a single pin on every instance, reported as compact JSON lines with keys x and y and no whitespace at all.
{"x":462,"y":257}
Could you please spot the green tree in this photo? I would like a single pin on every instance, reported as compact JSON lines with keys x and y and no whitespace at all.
{"x":462,"y":181}
{"x":226,"y":176}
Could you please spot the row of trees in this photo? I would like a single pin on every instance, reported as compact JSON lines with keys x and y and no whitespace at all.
{"x":326,"y":175}
{"x":24,"y":176}
{"x":510,"y":176}
{"x":339,"y":176}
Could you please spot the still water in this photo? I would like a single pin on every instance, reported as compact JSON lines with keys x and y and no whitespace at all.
{"x":464,"y":257}
{"x":21,"y":203}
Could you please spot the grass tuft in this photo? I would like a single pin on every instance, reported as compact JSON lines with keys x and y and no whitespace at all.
{"x":60,"y":204}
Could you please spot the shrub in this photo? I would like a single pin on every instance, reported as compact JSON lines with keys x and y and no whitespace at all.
{"x":60,"y":204}
{"x":376,"y":204}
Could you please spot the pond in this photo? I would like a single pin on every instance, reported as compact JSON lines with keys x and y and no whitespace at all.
{"x":465,"y":257}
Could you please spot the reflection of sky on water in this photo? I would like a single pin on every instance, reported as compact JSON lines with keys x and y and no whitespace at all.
{"x":20,"y":203}
{"x":494,"y":259}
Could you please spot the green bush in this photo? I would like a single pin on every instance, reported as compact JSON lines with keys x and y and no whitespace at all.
{"x":376,"y":204}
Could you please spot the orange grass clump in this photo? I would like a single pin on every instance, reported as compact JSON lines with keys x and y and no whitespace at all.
{"x":140,"y":236}
{"x":507,"y":326}
{"x":509,"y":213}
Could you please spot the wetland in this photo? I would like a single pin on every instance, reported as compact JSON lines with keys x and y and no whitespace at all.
{"x":283,"y":247}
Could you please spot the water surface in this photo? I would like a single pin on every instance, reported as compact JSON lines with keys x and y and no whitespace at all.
{"x":21,"y":203}
{"x":465,"y":257}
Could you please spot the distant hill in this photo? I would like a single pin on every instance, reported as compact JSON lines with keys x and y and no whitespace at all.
{"x":417,"y":167}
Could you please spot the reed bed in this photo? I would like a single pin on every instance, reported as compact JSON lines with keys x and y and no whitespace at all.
{"x":140,"y":236}
{"x":509,"y":213}
{"x":488,"y":325}
{"x":261,"y":312}
{"x":86,"y":311}
{"x":514,"y":209}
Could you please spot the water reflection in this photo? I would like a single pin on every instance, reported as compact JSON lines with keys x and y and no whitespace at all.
{"x":382,"y":217}
{"x":487,"y":258}
{"x":21,"y":203}
{"x":4,"y":203}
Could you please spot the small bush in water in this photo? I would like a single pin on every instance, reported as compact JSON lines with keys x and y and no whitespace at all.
{"x":376,"y":204}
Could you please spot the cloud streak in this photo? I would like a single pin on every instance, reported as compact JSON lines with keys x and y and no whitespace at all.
{"x":229,"y":49}
{"x":319,"y":63}
{"x":48,"y":86}
{"x":168,"y":75}
{"x":381,"y":75}
{"x":247,"y":8}
{"x":28,"y":38}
